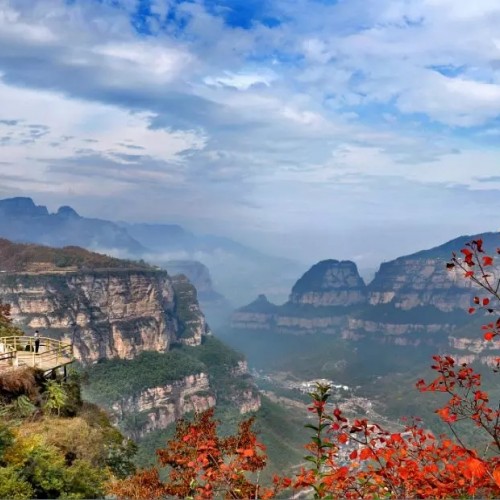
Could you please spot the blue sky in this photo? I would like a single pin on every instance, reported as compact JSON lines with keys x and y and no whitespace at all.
{"x":359,"y":129}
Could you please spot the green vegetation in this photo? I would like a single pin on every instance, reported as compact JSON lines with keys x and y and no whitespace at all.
{"x":51,"y":444}
{"x":421,"y":315}
{"x":111,"y":380}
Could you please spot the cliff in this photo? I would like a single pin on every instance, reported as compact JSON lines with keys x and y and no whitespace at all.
{"x":140,"y":334}
{"x":155,"y":408}
{"x":409,"y":282}
{"x":108,"y":312}
{"x":151,"y":391}
{"x":330,"y":283}
{"x":239,"y":271}
{"x":215,"y":306}
{"x":412,"y":299}
{"x":421,"y":279}
{"x":320,"y":300}
{"x":198,"y":274}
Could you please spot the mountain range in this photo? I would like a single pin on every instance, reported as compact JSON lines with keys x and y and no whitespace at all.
{"x":412,"y":300}
{"x":239,"y":272}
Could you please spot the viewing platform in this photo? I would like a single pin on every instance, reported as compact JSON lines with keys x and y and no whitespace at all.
{"x":19,"y":351}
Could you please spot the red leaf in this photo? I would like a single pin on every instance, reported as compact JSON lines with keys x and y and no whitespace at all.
{"x":353,"y":454}
{"x":496,"y":476}
{"x":487,"y":260}
{"x":342,"y":439}
{"x":486,"y":301}
{"x":489,"y":336}
{"x":472,"y":310}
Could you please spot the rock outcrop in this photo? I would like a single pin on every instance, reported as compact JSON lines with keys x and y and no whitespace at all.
{"x":409,"y":282}
{"x":320,"y":301}
{"x":421,"y":279}
{"x":330,"y":283}
{"x":107,"y":307}
{"x":411,"y":300}
{"x":215,"y":306}
{"x":156,"y":408}
{"x":198,"y":274}
{"x":115,"y":313}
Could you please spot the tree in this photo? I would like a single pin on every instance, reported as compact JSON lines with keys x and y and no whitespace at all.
{"x":6,"y":326}
{"x":200,"y":464}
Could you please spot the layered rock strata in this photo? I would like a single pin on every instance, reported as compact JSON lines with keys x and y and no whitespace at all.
{"x":330,"y":283}
{"x":115,"y":313}
{"x":156,"y":408}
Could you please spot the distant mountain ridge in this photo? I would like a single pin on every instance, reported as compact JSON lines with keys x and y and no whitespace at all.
{"x":23,"y":221}
{"x":238,"y":271}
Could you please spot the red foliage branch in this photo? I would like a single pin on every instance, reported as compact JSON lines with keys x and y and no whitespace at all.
{"x":200,"y":464}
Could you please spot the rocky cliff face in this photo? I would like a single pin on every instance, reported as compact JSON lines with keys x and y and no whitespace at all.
{"x":197,"y":273}
{"x":410,"y":282}
{"x":156,"y":408}
{"x":410,"y":298}
{"x":215,"y":306}
{"x":320,"y":301}
{"x":115,"y":313}
{"x":330,"y":283}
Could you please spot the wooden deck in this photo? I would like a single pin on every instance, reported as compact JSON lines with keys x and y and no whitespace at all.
{"x":19,"y":351}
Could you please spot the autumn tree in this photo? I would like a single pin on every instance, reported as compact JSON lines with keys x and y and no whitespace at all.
{"x":201,"y":464}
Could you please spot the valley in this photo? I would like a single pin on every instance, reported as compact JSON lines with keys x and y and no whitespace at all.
{"x":147,"y":355}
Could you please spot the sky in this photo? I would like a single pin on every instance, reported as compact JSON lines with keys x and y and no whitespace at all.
{"x":360,"y":129}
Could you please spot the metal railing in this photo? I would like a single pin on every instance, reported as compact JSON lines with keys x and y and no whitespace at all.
{"x":22,"y":351}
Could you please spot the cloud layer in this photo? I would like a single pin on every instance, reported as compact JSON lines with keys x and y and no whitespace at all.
{"x":264,"y":120}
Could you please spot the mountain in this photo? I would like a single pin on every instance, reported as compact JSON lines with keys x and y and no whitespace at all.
{"x":320,"y":300}
{"x":421,"y":279}
{"x":215,"y":306}
{"x":330,"y":283}
{"x":239,"y":272}
{"x":412,"y":300}
{"x":23,"y":221}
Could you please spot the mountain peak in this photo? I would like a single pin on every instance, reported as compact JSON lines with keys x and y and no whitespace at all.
{"x":21,"y":206}
{"x":67,"y":211}
{"x":330,"y":283}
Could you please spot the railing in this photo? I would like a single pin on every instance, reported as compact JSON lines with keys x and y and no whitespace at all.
{"x":7,"y":355}
{"x":21,"y":350}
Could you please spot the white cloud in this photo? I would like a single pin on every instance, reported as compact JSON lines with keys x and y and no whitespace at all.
{"x":241,"y":81}
{"x":253,"y":125}
{"x":72,"y":129}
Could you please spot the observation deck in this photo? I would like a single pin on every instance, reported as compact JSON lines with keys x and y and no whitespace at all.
{"x":19,"y":352}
